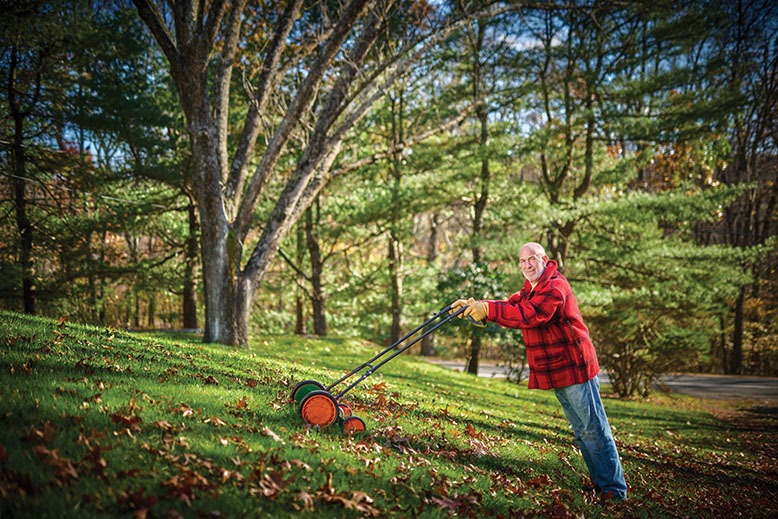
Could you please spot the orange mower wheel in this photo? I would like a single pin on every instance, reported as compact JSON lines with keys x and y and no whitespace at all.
{"x":319,"y":408}
{"x":354,"y":424}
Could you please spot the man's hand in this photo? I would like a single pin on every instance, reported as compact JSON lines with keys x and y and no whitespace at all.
{"x":459,"y":303}
{"x":478,"y":310}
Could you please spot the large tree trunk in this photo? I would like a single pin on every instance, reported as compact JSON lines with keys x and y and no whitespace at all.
{"x":317,"y":268}
{"x":222,"y":289}
{"x":220,"y":248}
{"x":23,"y":224}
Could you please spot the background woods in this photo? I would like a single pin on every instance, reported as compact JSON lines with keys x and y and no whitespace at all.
{"x":348,"y":168}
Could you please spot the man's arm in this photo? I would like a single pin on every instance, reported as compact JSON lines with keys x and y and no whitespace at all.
{"x":527,"y":313}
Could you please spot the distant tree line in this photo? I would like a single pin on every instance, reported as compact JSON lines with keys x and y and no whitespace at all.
{"x":349,"y":168}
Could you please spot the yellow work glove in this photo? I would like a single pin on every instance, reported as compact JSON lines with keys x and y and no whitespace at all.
{"x":478,"y":310}
{"x":459,"y":303}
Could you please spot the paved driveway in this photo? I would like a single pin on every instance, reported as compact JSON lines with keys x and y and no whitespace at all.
{"x":723,"y":386}
{"x":704,"y":386}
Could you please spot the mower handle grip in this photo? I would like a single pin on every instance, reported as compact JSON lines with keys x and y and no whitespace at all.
{"x":479,"y":324}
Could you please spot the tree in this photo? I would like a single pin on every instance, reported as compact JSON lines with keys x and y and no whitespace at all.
{"x":34,"y":64}
{"x":316,"y":67}
{"x":482,"y":59}
{"x":95,"y":126}
{"x":308,"y":240}
{"x":650,"y":298}
{"x":711,"y":82}
{"x":751,"y":49}
{"x":475,"y":34}
{"x":128,"y":130}
{"x":581,"y":53}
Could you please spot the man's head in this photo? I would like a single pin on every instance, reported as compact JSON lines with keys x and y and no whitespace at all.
{"x":532,"y":259}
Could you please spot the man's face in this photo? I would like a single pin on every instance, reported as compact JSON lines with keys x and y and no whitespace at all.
{"x":532,"y":264}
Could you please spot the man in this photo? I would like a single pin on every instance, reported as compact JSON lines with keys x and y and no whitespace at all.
{"x":561,"y":357}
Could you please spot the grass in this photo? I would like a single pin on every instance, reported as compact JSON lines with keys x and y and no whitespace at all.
{"x":100,"y":423}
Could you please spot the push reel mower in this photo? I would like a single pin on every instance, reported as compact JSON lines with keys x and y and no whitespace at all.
{"x":319,"y":405}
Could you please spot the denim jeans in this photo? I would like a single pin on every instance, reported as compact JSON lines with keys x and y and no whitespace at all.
{"x":586,"y":414}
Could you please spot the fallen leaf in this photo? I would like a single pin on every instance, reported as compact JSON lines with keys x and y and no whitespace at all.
{"x":268,"y":432}
{"x":44,"y":434}
{"x":218,"y":422}
{"x":64,"y":470}
{"x":137,"y":501}
{"x":301,"y":464}
{"x":131,"y":423}
{"x":305,"y":499}
{"x":185,"y":410}
{"x":164,"y":425}
{"x":96,"y":461}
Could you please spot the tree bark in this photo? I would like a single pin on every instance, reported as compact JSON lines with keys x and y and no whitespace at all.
{"x":394,"y":248}
{"x":479,"y":208}
{"x":475,"y":353}
{"x":428,"y":342}
{"x":317,"y":267}
{"x":23,"y":224}
{"x":395,"y":286}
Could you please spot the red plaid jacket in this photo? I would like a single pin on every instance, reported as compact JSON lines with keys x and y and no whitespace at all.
{"x":560,"y":352}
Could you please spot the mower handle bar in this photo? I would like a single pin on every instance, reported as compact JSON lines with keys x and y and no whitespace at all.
{"x":372,"y":369}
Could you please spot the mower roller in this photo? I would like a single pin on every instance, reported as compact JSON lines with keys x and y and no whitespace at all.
{"x":319,"y":405}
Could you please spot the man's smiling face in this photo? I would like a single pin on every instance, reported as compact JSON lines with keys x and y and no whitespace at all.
{"x":532,"y":264}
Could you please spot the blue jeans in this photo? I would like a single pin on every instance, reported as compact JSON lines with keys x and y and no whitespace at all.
{"x":583,"y":409}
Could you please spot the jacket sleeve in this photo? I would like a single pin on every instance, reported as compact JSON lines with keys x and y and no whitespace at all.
{"x":539,"y":309}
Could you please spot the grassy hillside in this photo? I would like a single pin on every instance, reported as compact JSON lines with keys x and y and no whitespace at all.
{"x":100,"y":423}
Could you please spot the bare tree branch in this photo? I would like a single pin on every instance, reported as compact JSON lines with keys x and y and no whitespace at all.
{"x":301,"y":102}
{"x":271,"y":73}
{"x":153,"y":18}
{"x":224,"y":75}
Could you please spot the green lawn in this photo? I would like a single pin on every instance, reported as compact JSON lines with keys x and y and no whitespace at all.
{"x":100,"y":423}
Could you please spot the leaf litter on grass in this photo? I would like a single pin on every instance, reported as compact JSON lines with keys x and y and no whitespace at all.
{"x":109,"y":423}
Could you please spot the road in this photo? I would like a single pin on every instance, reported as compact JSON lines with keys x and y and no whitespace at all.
{"x":721,"y":387}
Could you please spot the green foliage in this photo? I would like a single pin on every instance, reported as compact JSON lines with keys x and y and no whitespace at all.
{"x":674,"y":96}
{"x":653,"y":299}
{"x":101,"y":423}
{"x":105,"y":238}
{"x":479,"y":281}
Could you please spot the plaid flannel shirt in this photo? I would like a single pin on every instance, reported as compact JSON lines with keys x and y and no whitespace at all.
{"x":560,"y":352}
